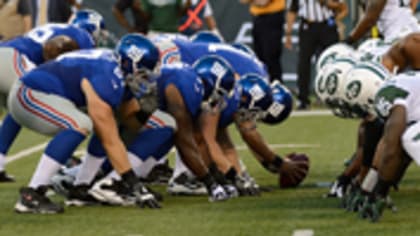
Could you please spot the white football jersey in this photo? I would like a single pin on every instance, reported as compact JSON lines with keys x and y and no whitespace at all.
{"x":373,"y":51}
{"x":403,"y":89}
{"x":396,"y":21}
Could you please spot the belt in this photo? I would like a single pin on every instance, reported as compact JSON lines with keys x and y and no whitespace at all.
{"x":306,"y":21}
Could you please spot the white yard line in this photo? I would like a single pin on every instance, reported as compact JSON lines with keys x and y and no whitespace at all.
{"x":311,"y":113}
{"x":25,"y":152}
{"x":303,"y":232}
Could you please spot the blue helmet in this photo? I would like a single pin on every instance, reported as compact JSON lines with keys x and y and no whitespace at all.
{"x":218,"y":78}
{"x":206,"y":37}
{"x":136,"y":53}
{"x":282,"y":104}
{"x":256,"y":96}
{"x":89,"y":20}
{"x":244,"y":48}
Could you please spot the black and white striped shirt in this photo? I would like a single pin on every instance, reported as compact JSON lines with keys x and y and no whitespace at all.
{"x":310,"y":10}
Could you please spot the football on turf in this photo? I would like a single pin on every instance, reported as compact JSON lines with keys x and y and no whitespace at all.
{"x":284,"y":180}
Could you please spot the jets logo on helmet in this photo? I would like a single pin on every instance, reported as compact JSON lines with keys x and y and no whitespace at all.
{"x":353,"y":89}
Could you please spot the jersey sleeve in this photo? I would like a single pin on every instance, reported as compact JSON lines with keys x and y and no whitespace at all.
{"x":109,"y":89}
{"x":388,"y":97}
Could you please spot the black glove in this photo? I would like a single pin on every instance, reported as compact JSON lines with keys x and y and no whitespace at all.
{"x":246,"y":187}
{"x":144,"y":198}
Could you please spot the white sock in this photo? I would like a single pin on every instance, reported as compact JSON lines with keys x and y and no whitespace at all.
{"x":136,"y":163}
{"x":2,"y":161}
{"x":89,"y":168}
{"x":146,"y":167}
{"x":46,"y":168}
{"x":113,"y":175}
{"x":180,"y":167}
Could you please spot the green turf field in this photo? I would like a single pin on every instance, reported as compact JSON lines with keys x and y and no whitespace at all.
{"x":278,"y":212}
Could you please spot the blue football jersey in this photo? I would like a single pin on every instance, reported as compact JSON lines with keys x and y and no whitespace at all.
{"x":184,"y":78}
{"x":64,"y":75}
{"x":241,"y":62}
{"x":232,"y":105}
{"x":32,"y":42}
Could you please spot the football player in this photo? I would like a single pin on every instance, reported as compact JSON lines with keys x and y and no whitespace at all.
{"x":396,"y":102}
{"x":41,"y":44}
{"x":183,"y":92}
{"x":393,"y":20}
{"x":49,"y":100}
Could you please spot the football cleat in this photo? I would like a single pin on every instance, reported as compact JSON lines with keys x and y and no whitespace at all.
{"x":79,"y":196}
{"x":112,"y":192}
{"x":34,"y":201}
{"x":5,"y":178}
{"x":183,"y":185}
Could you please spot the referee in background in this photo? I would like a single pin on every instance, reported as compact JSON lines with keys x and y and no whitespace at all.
{"x":317,"y":31}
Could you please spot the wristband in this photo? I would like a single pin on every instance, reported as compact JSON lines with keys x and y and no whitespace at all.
{"x":278,"y":161}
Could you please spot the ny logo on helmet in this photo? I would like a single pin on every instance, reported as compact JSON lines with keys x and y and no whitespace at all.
{"x":135,"y":53}
{"x":218,"y":70}
{"x":257,"y":92}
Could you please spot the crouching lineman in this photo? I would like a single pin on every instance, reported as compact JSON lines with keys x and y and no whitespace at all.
{"x":39,"y":45}
{"x":183,"y":92}
{"x":397,"y":103}
{"x":48,"y":100}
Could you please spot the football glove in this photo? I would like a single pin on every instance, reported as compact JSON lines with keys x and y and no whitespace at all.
{"x":144,"y":198}
{"x":246,"y":187}
{"x":372,"y":208}
{"x":217,"y":193}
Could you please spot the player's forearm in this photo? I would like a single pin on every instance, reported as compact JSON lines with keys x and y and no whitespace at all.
{"x":290,"y":20}
{"x":27,"y":23}
{"x":372,"y":14}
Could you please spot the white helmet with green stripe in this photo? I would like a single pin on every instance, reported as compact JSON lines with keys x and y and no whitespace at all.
{"x":329,"y":83}
{"x":361,"y":84}
{"x":335,"y":51}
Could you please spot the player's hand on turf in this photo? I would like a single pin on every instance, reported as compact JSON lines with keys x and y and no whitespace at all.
{"x":217,"y":193}
{"x":144,"y":198}
{"x":373,"y":207}
{"x":246,"y":187}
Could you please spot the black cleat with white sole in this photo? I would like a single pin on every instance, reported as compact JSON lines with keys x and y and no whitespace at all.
{"x":34,"y":201}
